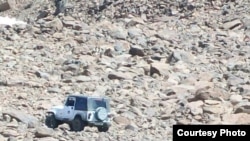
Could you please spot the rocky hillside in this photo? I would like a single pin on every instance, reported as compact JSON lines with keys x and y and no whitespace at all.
{"x":161,"y":62}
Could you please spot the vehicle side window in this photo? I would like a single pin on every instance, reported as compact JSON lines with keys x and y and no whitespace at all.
{"x":99,"y":103}
{"x":81,"y":104}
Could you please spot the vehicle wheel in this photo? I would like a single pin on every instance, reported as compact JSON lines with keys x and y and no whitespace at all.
{"x":51,"y":121}
{"x":103,"y":128}
{"x":77,"y":124}
{"x":101,"y":113}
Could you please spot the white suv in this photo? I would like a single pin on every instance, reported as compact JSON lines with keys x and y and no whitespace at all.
{"x":80,"y":111}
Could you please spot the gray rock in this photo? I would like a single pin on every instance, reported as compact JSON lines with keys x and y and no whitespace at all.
{"x":47,"y":139}
{"x":13,"y":37}
{"x":232,"y":24}
{"x":119,"y":33}
{"x":54,"y":90}
{"x":129,"y":115}
{"x":242,"y":107}
{"x":121,"y":75}
{"x":82,"y":78}
{"x":121,"y":46}
{"x":130,"y":127}
{"x":240,"y":118}
{"x":118,"y":47}
{"x":42,"y":75}
{"x":150,"y":112}
{"x":71,"y":67}
{"x":4,"y":6}
{"x":42,"y":132}
{"x":12,"y":139}
{"x":159,"y":68}
{"x":10,"y":133}
{"x":196,"y":107}
{"x":180,"y":55}
{"x":136,"y":50}
{"x":235,"y":99}
{"x":235,"y":81}
{"x":121,"y":120}
{"x":109,"y":53}
{"x":136,"y":111}
{"x":142,"y":41}
{"x":72,"y":24}
{"x":202,"y":94}
{"x":244,"y":89}
{"x":214,"y":109}
{"x":166,"y":34}
{"x":101,"y":89}
{"x":56,"y":24}
{"x":246,"y":22}
{"x":31,"y":121}
{"x":134,"y":32}
{"x":212,"y":102}
{"x":64,"y":126}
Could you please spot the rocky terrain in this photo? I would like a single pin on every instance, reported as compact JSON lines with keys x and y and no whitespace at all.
{"x":161,"y":63}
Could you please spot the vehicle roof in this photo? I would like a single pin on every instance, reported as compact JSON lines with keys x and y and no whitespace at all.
{"x":86,"y":96}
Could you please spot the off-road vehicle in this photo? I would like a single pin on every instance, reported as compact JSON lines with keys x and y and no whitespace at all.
{"x":79,"y":111}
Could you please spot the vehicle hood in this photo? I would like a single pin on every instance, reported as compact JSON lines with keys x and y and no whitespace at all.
{"x":58,"y":107}
{"x":55,"y":109}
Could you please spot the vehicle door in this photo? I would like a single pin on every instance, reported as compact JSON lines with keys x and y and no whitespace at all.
{"x":69,"y":108}
{"x":81,"y":107}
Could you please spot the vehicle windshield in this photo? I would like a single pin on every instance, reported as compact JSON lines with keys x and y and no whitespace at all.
{"x":70,"y":102}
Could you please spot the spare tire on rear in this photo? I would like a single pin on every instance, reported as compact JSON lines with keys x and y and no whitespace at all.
{"x":101,"y":113}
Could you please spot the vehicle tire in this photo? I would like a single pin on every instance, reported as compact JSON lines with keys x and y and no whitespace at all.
{"x":101,"y":113}
{"x":77,"y":124}
{"x":103,"y":128}
{"x":51,"y":121}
